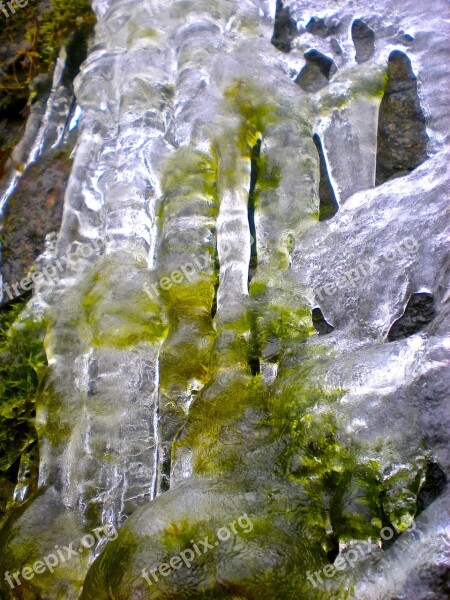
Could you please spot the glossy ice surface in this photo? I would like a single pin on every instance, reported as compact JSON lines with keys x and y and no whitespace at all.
{"x":180,"y":396}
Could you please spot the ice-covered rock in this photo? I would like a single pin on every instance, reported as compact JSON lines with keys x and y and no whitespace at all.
{"x":220,"y":206}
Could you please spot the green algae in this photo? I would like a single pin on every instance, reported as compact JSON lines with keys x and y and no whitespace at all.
{"x":283,"y":324}
{"x":212,"y":419}
{"x":188,"y":308}
{"x":187,"y":293}
{"x":255,"y":112}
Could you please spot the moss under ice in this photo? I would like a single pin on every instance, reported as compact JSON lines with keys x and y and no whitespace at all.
{"x":190,"y":178}
{"x":276,"y":452}
{"x":120,"y":319}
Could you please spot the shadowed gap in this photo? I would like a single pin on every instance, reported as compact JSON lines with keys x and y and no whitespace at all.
{"x":254,"y":349}
{"x":254,"y":173}
{"x":320,"y":324}
{"x":328,"y":204}
{"x":216,"y":267}
{"x":419,"y":312}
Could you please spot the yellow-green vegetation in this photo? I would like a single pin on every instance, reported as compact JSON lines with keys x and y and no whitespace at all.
{"x":284,"y":324}
{"x":303,"y":419}
{"x":23,"y":367}
{"x":268,"y":176}
{"x":46,"y":30}
{"x":213,"y":431}
{"x":115,"y":315}
{"x":280,"y":455}
{"x":252,"y":112}
{"x":348,"y":486}
{"x":186,"y":353}
{"x":189,"y":183}
{"x":346,"y":494}
{"x":177,"y":536}
{"x":401,"y":485}
{"x":256,"y":114}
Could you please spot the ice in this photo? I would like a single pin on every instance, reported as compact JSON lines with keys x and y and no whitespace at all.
{"x":180,"y":395}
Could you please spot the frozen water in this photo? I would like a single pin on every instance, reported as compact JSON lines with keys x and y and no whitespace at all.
{"x":178,"y":393}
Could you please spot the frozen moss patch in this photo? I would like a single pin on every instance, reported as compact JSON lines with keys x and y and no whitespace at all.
{"x":250,"y":113}
{"x":190,"y":183}
{"x":116,"y":314}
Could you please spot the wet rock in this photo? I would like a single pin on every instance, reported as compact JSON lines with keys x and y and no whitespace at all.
{"x":14,"y":66}
{"x":335,"y":46}
{"x":285,"y":28}
{"x":34,"y":211}
{"x":364,"y":40}
{"x":419,"y":312}
{"x":402,"y":136}
{"x":406,"y":38}
{"x":317,"y":27}
{"x":317,"y":72}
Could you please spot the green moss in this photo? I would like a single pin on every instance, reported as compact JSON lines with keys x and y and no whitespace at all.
{"x":47,"y":31}
{"x":281,"y":326}
{"x":401,"y":485}
{"x":257,"y":288}
{"x":178,"y":536}
{"x":269,"y":177}
{"x":256,"y":113}
{"x":250,"y":113}
{"x":116,"y":316}
{"x":370,"y":87}
{"x":186,"y":353}
{"x":190,"y":176}
{"x":213,"y":418}
{"x":278,"y":454}
{"x":342,"y":486}
{"x":23,"y":367}
{"x":330,"y":102}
